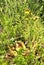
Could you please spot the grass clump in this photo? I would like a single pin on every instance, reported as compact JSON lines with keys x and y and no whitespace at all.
{"x":21,"y":32}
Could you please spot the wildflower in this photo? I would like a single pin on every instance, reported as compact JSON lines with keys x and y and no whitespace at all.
{"x":27,"y":11}
{"x":35,"y":17}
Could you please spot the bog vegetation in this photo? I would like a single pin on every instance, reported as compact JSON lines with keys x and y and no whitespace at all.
{"x":21,"y":32}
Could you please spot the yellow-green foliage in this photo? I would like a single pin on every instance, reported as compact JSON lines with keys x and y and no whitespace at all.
{"x":22,"y":20}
